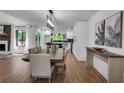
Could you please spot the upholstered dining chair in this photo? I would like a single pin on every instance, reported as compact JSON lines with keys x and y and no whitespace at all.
{"x":61,"y":64}
{"x":41,"y":66}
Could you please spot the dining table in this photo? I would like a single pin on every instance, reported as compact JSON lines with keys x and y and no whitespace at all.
{"x":57,"y":56}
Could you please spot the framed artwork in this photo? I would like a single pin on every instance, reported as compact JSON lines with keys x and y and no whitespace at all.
{"x":99,"y":33}
{"x":113,"y":31}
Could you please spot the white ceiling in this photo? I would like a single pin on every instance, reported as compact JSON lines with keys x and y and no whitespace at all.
{"x":63,"y":18}
{"x":34,"y":17}
{"x":67,"y":18}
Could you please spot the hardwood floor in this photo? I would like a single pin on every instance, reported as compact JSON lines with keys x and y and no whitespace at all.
{"x":15,"y":70}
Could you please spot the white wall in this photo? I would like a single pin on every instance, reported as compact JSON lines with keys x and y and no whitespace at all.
{"x":80,"y":32}
{"x":101,"y":15}
{"x":10,"y":20}
{"x":43,"y":42}
{"x":12,"y":47}
{"x":31,"y":36}
{"x":60,"y":30}
{"x":98,"y":64}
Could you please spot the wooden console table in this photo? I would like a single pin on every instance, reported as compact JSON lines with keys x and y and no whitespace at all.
{"x":108,"y":64}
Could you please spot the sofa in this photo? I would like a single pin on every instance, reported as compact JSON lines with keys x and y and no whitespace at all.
{"x":32,"y":51}
{"x":35,"y":50}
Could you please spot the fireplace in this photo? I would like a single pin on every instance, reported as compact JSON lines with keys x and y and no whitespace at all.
{"x":2,"y":47}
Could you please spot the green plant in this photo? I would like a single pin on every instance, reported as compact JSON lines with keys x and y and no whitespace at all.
{"x":113,"y":38}
{"x":100,"y":34}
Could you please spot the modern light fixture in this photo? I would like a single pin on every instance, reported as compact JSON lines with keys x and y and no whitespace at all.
{"x":51,"y":12}
{"x":50,"y":22}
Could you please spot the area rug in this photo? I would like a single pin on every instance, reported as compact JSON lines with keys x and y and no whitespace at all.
{"x":3,"y":56}
{"x":26,"y":58}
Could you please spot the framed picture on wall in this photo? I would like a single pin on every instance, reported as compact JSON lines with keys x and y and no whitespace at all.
{"x":113,"y":31}
{"x":99,"y":33}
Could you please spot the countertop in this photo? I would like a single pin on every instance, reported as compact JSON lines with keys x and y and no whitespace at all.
{"x":104,"y":52}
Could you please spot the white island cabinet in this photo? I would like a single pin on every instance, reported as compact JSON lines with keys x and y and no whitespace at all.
{"x":109,"y":65}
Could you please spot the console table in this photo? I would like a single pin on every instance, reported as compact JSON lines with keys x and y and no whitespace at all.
{"x":109,"y":65}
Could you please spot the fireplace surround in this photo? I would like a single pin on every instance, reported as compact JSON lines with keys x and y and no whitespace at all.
{"x":3,"y":46}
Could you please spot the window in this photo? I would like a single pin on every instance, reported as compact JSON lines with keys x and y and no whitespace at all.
{"x":58,"y":37}
{"x":20,"y":38}
{"x":37,"y":39}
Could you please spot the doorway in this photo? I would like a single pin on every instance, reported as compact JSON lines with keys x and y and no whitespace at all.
{"x":20,"y":41}
{"x":20,"y":38}
{"x":37,"y":39}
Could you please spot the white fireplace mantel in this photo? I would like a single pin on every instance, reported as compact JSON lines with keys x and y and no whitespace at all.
{"x":6,"y":46}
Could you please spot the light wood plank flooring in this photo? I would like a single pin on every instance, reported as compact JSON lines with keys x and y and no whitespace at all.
{"x":15,"y":70}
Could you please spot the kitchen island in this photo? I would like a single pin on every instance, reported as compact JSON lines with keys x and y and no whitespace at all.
{"x":108,"y":64}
